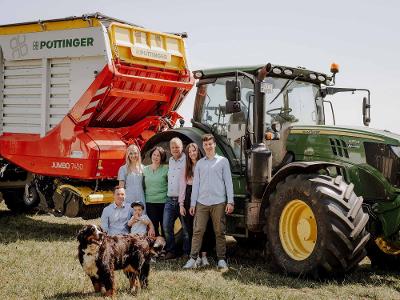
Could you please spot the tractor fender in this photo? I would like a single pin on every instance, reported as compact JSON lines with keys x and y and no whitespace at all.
{"x":186,"y":134}
{"x":297,"y":167}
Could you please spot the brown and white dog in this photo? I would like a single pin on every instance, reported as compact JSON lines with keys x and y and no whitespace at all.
{"x":100,"y":255}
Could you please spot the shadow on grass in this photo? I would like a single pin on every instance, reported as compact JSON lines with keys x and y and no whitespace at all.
{"x":15,"y":227}
{"x":249,"y":267}
{"x":256,"y":271}
{"x":74,"y":295}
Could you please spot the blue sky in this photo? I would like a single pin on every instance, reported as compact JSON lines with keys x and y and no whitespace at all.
{"x":361,"y":36}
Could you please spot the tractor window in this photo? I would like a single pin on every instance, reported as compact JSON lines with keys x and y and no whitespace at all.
{"x":211,"y":101}
{"x":302,"y":102}
{"x":291,"y":101}
{"x":286,"y":101}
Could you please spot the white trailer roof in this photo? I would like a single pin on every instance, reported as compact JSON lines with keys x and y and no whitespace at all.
{"x":96,"y":15}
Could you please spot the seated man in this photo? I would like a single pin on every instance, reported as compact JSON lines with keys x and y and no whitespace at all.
{"x":140,"y":223}
{"x":115,"y":217}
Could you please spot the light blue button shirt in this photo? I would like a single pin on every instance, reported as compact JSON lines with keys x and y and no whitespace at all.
{"x":176,"y":168}
{"x":212,"y":181}
{"x":114,"y":220}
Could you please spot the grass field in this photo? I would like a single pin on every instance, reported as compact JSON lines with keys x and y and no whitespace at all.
{"x":38,"y":260}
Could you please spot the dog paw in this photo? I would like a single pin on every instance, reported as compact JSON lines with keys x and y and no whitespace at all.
{"x":109,"y":293}
{"x":134,"y":291}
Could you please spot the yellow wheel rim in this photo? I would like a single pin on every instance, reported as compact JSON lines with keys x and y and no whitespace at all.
{"x":298,"y":230}
{"x":387,"y":247}
{"x":177,"y":226}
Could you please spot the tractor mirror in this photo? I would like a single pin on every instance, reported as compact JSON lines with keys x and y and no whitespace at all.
{"x":232,"y":89}
{"x":366,"y":109}
{"x":232,"y":107}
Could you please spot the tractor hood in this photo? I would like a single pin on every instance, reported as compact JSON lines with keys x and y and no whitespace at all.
{"x":380,"y":136}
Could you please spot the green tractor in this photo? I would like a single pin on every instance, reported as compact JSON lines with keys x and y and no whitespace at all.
{"x":318,"y":197}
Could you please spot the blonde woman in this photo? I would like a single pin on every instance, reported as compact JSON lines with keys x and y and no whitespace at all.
{"x":130,"y":176}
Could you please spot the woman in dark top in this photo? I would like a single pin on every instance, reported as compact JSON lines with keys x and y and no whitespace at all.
{"x":185,"y":191}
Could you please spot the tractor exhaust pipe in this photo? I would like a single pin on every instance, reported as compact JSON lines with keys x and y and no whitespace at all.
{"x":260,"y":156}
{"x":259,"y":104}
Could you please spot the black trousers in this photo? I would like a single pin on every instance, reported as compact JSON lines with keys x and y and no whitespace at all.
{"x":155,"y":212}
{"x":208,"y":244}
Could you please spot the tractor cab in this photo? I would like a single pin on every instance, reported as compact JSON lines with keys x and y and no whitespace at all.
{"x":292,"y":96}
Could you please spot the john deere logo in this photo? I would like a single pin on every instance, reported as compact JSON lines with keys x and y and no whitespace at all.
{"x":66,"y":43}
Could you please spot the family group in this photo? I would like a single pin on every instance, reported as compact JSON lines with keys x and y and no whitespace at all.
{"x":198,"y":191}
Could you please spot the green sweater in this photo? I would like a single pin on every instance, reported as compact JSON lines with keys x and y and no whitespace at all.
{"x":155,"y":184}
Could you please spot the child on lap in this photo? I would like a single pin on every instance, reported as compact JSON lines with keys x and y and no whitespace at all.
{"x":140,"y":223}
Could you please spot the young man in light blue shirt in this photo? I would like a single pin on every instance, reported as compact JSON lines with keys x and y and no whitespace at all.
{"x":115,"y":217}
{"x":212,"y":196}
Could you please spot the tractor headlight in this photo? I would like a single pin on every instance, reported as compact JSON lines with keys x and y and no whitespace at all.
{"x":197,"y":74}
{"x":276,"y":71}
{"x":396,"y":150}
{"x":313,"y":76}
{"x":288,"y":72}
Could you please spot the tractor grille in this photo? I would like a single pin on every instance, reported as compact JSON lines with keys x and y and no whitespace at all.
{"x":381,"y":157}
{"x":339,"y":148}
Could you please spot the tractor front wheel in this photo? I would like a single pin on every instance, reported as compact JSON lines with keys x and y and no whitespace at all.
{"x":383,"y":254}
{"x":316,"y":226}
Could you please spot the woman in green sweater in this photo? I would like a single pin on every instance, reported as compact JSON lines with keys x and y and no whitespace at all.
{"x":156,"y":187}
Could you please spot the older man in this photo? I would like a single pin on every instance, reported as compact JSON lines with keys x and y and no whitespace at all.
{"x":115,"y":217}
{"x":176,"y":168}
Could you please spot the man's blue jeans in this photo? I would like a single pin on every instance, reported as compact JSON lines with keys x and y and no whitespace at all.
{"x":171,"y":213}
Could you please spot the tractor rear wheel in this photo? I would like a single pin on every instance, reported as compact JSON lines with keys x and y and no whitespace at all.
{"x":316,"y":226}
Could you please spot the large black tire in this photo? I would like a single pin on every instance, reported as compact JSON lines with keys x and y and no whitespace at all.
{"x":381,"y":260}
{"x":340,"y":235}
{"x":22,"y":199}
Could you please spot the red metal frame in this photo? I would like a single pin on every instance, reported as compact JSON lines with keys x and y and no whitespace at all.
{"x":125,"y":104}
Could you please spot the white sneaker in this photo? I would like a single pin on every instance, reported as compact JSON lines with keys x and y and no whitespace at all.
{"x":190,"y":264}
{"x":222,"y":265}
{"x":198,"y":261}
{"x":204,"y":261}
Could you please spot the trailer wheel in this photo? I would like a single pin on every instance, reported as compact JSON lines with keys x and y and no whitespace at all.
{"x":316,"y":226}
{"x":68,"y":203}
{"x":88,"y":212}
{"x":21,"y":200}
{"x":12,"y":199}
{"x":31,"y":197}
